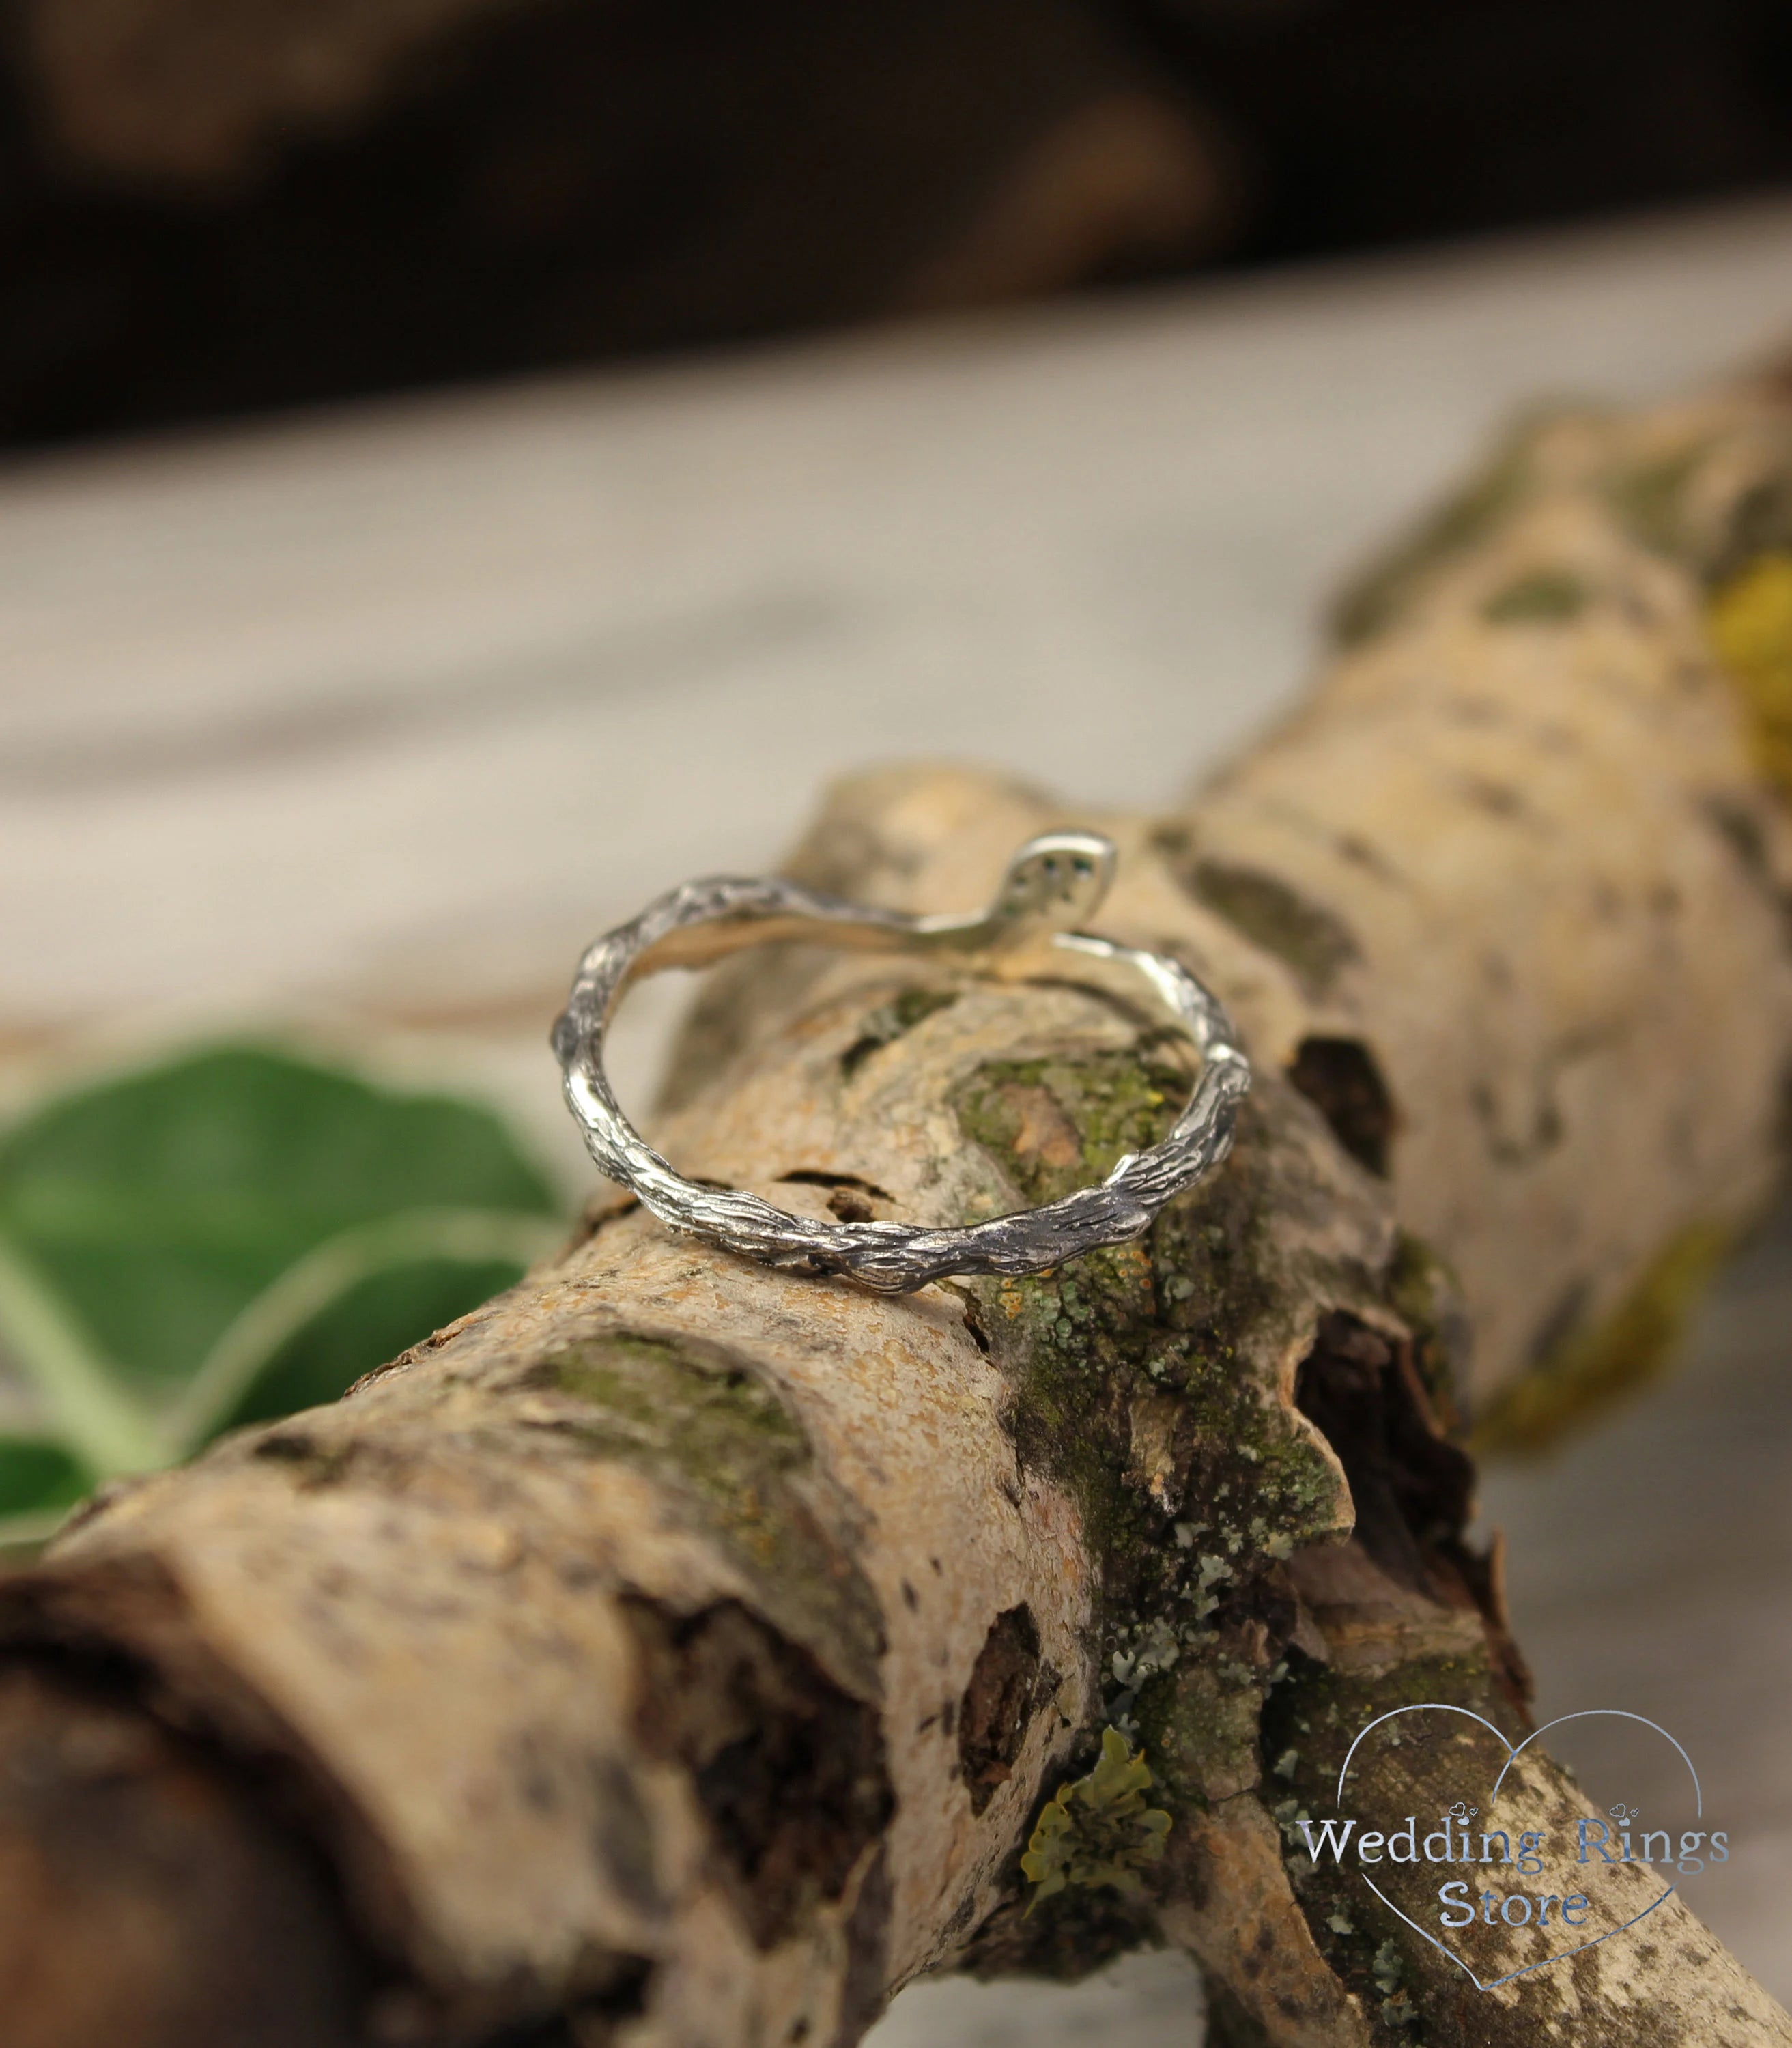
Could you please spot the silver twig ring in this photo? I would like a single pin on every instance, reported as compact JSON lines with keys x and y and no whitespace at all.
{"x":1052,"y":881}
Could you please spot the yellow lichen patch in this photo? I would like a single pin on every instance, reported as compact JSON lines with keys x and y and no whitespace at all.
{"x":1099,"y":1830}
{"x":1539,"y":597}
{"x":1750,"y":621}
{"x":1595,"y":1364}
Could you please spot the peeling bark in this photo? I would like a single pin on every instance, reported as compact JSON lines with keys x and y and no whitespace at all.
{"x":678,"y":1651}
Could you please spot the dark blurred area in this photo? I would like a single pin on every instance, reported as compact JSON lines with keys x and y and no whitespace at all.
{"x":210,"y":206}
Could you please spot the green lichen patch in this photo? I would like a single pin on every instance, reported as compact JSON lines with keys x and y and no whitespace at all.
{"x":1387,"y":1970}
{"x":1098,"y":1830}
{"x":1210,"y":1721}
{"x":1539,"y":597}
{"x":1057,"y":1124}
{"x":1156,"y":1326}
{"x":1427,"y":1296}
{"x":1137,"y":1379}
{"x":1650,"y":498}
{"x":724,"y":1426}
{"x":1381,"y":596}
{"x":719,"y":1440}
{"x":1130,"y":1389}
{"x":1594,"y":1364}
{"x":1312,"y":940}
{"x":1317,"y":1710}
{"x":1690,"y":504}
{"x":888,"y":1022}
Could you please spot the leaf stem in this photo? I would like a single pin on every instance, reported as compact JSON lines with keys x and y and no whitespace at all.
{"x":28,"y":1531}
{"x":324,"y":1275}
{"x":111,"y":1432}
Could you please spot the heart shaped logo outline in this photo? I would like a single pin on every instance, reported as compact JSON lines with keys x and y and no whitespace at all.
{"x":1512,"y":1755}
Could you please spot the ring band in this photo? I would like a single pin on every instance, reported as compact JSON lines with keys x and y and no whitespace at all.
{"x":1051,"y":882}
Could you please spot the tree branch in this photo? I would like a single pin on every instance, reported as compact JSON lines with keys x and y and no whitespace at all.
{"x":676,"y":1650}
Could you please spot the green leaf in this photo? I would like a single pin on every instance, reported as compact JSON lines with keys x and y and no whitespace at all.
{"x":37,"y":1475}
{"x":237,"y":1232}
{"x":39,"y":1481}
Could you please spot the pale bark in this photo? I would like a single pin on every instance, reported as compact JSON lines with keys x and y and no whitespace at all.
{"x":686,"y":1650}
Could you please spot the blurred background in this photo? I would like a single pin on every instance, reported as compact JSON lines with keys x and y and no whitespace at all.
{"x":210,"y":205}
{"x":466,"y":465}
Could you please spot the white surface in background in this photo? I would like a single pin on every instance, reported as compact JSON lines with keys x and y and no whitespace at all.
{"x":403,"y":705}
{"x":1147,"y":2001}
{"x":379,"y":717}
